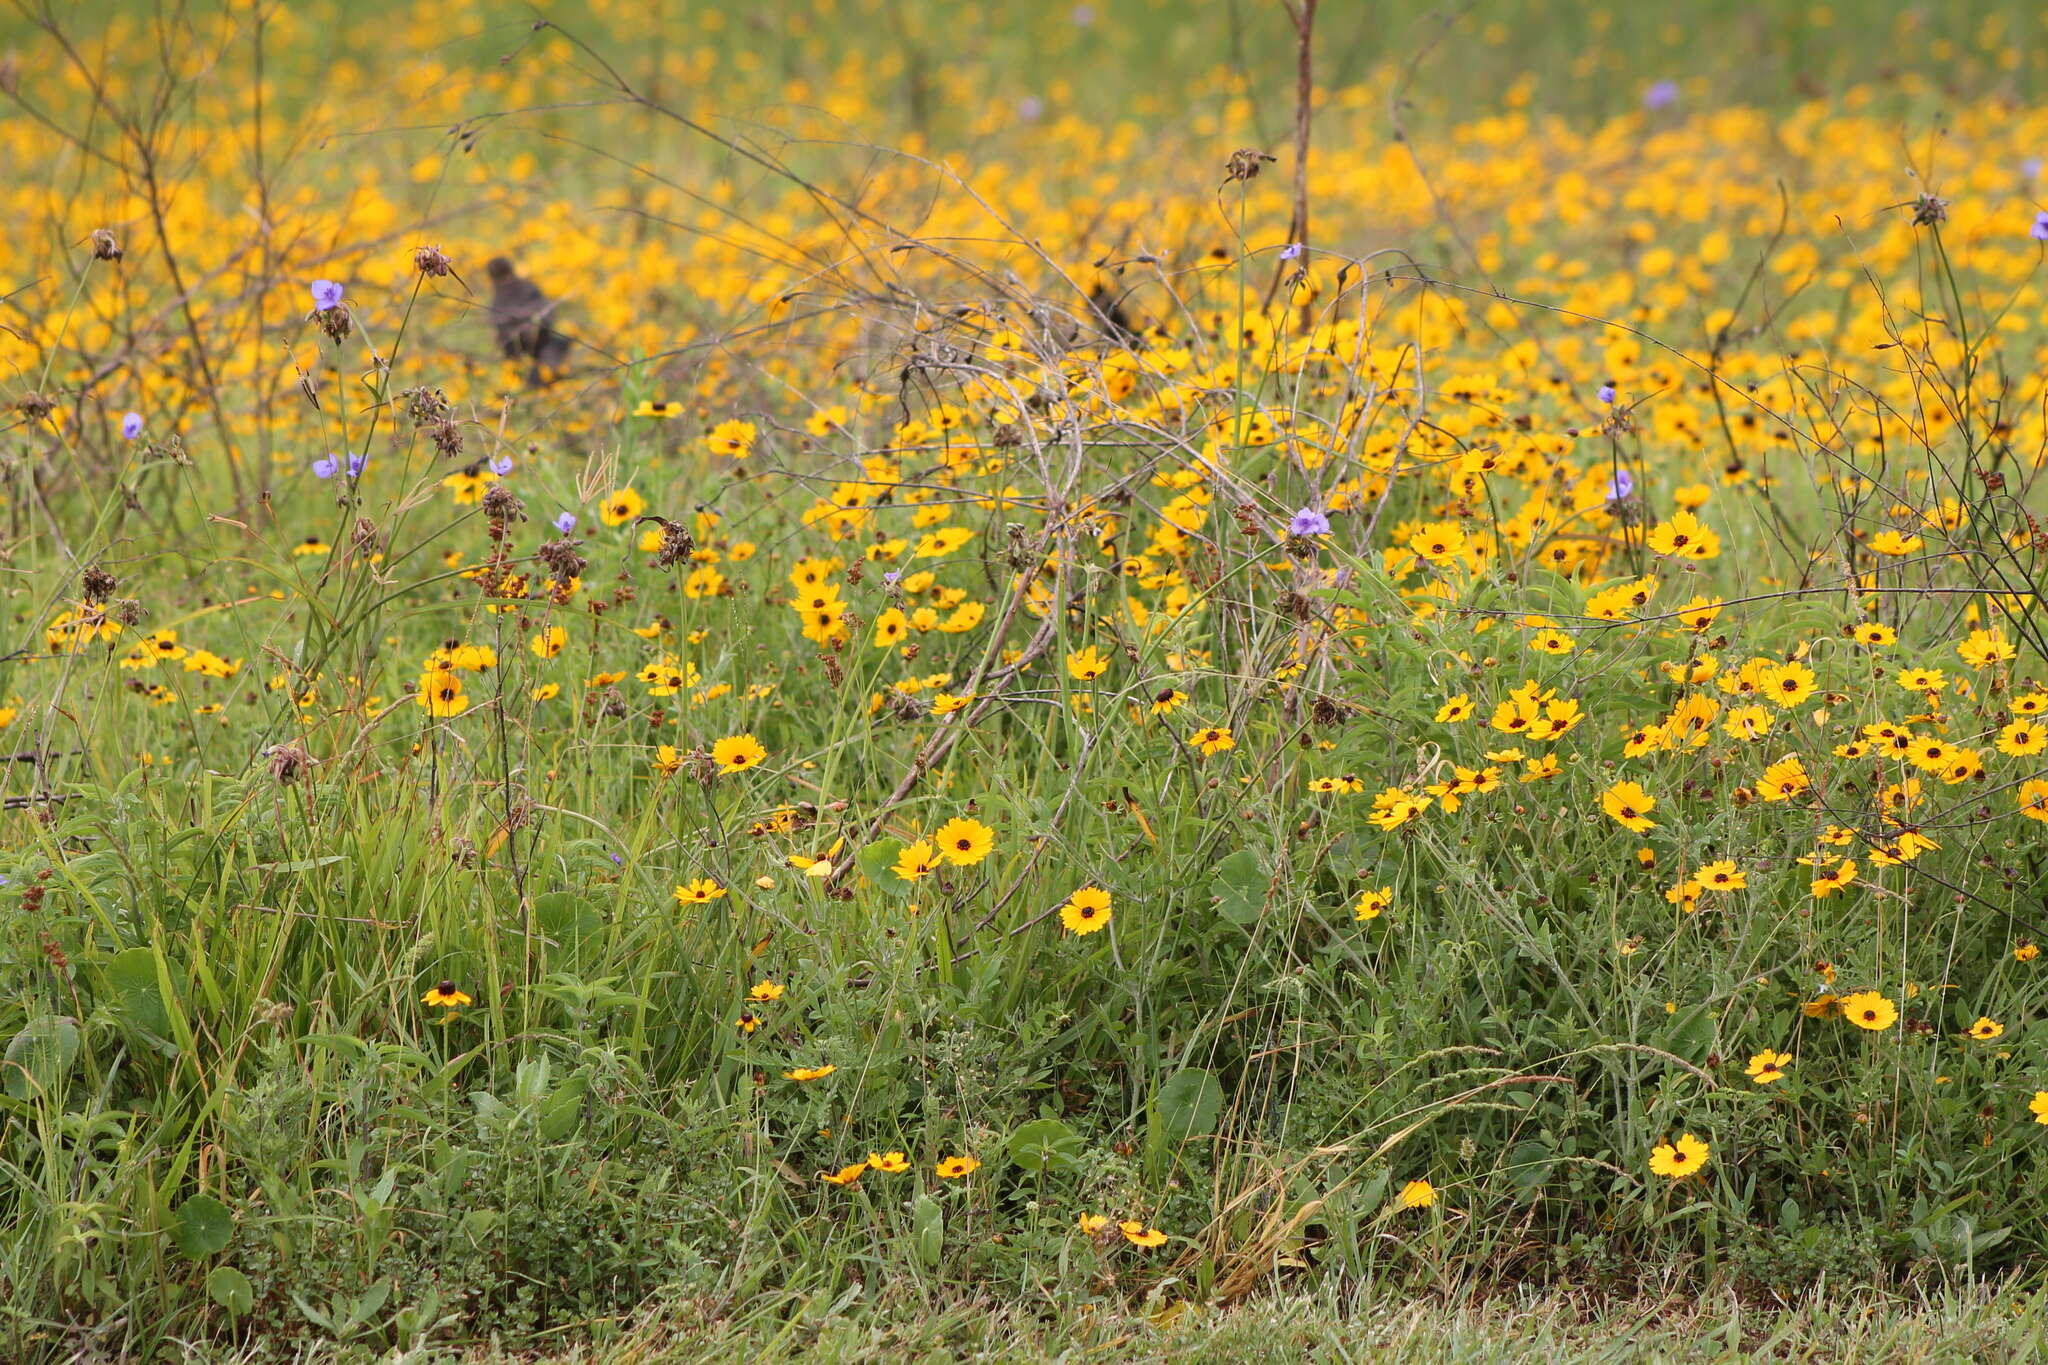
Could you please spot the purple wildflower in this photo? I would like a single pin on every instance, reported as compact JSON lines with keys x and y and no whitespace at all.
{"x":1661,"y":95}
{"x":2039,"y":232}
{"x":356,"y":463}
{"x":326,"y":294}
{"x":501,"y":465}
{"x":1606,"y":393}
{"x":566,"y":522}
{"x":1621,"y":485}
{"x":1309,"y":521}
{"x":131,"y":425}
{"x":1291,"y":251}
{"x":324,"y":467}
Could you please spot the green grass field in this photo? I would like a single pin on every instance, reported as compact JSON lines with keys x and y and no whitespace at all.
{"x":968,"y":710}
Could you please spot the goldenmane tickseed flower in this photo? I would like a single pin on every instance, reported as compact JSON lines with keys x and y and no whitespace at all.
{"x":2038,"y":1106}
{"x":809,"y":1073}
{"x":698,"y":891}
{"x":957,"y":1167}
{"x":1138,"y":1235}
{"x":737,"y":753}
{"x":620,"y":507}
{"x":1628,"y":805}
{"x":1091,"y":1224}
{"x":1677,"y":1160}
{"x":1086,"y":911}
{"x":1417,"y":1194}
{"x":889,"y":1163}
{"x":1868,"y":1010}
{"x":845,"y":1175}
{"x":765,"y":992}
{"x":445,"y":996}
{"x":963,"y":841}
{"x":733,"y":439}
{"x":1985,"y":1029}
{"x":1768,"y":1066}
{"x":1372,"y":903}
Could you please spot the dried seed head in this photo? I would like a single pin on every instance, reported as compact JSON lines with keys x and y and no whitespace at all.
{"x":501,"y":504}
{"x":288,"y":762}
{"x":447,"y":437}
{"x":432,"y":261}
{"x":97,"y":584}
{"x":337,"y":322}
{"x":1930,"y":211}
{"x":677,"y":544}
{"x":35,"y":407}
{"x":127,"y":611}
{"x":1245,"y":164}
{"x":104,"y":247}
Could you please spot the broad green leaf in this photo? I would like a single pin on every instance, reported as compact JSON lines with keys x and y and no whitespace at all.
{"x":1044,"y":1145}
{"x":231,"y":1289}
{"x":202,"y":1226}
{"x":1187,"y":1105}
{"x":40,"y":1055}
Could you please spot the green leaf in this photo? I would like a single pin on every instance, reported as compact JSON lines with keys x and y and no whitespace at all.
{"x":133,"y":975}
{"x":231,"y":1289}
{"x":202,"y":1226}
{"x":877,"y":863}
{"x":565,"y":918}
{"x":1187,"y":1105}
{"x":39,"y":1056}
{"x":928,"y":1229}
{"x":1044,"y":1145}
{"x":1239,"y":887}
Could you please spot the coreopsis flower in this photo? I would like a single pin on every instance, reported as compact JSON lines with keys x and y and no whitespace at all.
{"x":963,"y":841}
{"x":1417,"y":1194}
{"x":1372,"y":903}
{"x":698,"y":891}
{"x":1684,"y":536}
{"x":732,"y":439}
{"x":889,"y":1163}
{"x":809,"y":1073}
{"x":916,"y":861}
{"x":1985,"y":1029}
{"x":1086,"y":911}
{"x":765,"y":992}
{"x":845,"y":1175}
{"x":445,"y":996}
{"x":1628,"y":805}
{"x":1868,"y":1010}
{"x":1215,"y":739}
{"x":1768,"y":1066}
{"x":1677,"y":1160}
{"x":441,"y":693}
{"x":957,"y":1167}
{"x":2038,"y":1106}
{"x":1835,"y":879}
{"x":1456,"y":709}
{"x":1138,"y":1235}
{"x":620,"y":507}
{"x":1721,"y":875}
{"x":1085,"y":665}
{"x":1092,"y":1224}
{"x":737,"y":753}
{"x":549,"y":642}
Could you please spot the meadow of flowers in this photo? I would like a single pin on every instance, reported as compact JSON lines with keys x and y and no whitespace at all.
{"x":742,"y":674}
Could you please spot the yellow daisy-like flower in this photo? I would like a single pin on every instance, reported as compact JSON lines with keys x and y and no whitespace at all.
{"x":845,"y":1175}
{"x":1868,"y":1010}
{"x":445,"y":996}
{"x":700,"y":891}
{"x":1373,"y":902}
{"x":1676,"y":1160}
{"x":809,"y":1073}
{"x":548,"y":643}
{"x":733,"y":439}
{"x":1214,"y":740}
{"x":955,"y":1167}
{"x":1086,"y":910}
{"x":1985,"y":1029}
{"x":1628,"y":805}
{"x":765,"y":991}
{"x":2038,"y":1106}
{"x":621,"y":507}
{"x":1093,"y":1223}
{"x":1138,"y":1235}
{"x":737,"y":753}
{"x":889,"y":1163}
{"x":963,"y":841}
{"x":1418,"y":1194}
{"x":1768,"y":1066}
{"x":649,"y":408}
